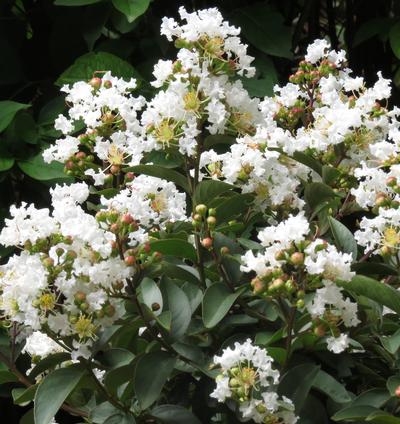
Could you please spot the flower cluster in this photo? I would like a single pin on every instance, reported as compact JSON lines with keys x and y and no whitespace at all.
{"x":247,"y":376}
{"x":74,"y":266}
{"x":107,"y":110}
{"x":294,"y":265}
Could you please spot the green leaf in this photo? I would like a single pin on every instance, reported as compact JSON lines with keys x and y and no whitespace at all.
{"x":174,"y":414}
{"x":318,"y":193}
{"x":297,"y":382}
{"x":24,"y":396}
{"x":53,"y":390}
{"x":217,"y":301}
{"x":308,"y":161}
{"x":174,"y":247}
{"x":391,"y":343}
{"x":120,"y":418}
{"x":382,"y":417}
{"x":330,"y":174}
{"x":6,"y":163}
{"x":152,"y":371}
{"x":178,"y":304}
{"x":331,"y":387}
{"x":265,"y":29}
{"x":38,"y":169}
{"x":343,"y":237}
{"x":353,"y":413}
{"x":161,"y":172}
{"x":233,"y":206}
{"x":8,"y":110}
{"x":372,"y":397}
{"x":375,"y":290}
{"x":151,"y":294}
{"x":371,"y":268}
{"x":394,"y":38}
{"x":85,"y":66}
{"x":48,"y":362}
{"x":7,"y":377}
{"x":132,"y":9}
{"x":372,"y":28}
{"x":392,"y":384}
{"x":209,"y":189}
{"x":75,"y":2}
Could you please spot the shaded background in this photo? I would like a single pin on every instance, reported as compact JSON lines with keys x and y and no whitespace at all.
{"x":46,"y":43}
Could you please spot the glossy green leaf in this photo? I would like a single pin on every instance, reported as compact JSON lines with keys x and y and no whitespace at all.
{"x":391,"y":343}
{"x":178,"y":304}
{"x":84,"y":68}
{"x":132,"y":9}
{"x":152,"y":371}
{"x":372,"y":397}
{"x":38,"y":169}
{"x":217,"y":302}
{"x":161,"y":172}
{"x":207,"y":190}
{"x":57,"y":386}
{"x":343,"y":237}
{"x":297,"y":383}
{"x":7,"y":377}
{"x":331,"y":387}
{"x":6,"y":164}
{"x":353,"y":413}
{"x":151,"y":295}
{"x":174,"y":247}
{"x":394,"y":38}
{"x":24,"y":396}
{"x":382,"y":417}
{"x":318,"y":193}
{"x":265,"y":29}
{"x":120,"y":418}
{"x":8,"y":109}
{"x":49,"y":362}
{"x":393,"y":383}
{"x":379,"y":292}
{"x":174,"y":414}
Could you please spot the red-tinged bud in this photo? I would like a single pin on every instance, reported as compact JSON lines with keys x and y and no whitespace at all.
{"x":95,"y":83}
{"x":80,"y":155}
{"x":127,"y":218}
{"x":130,"y":260}
{"x":48,"y":262}
{"x":397,"y":392}
{"x":147,"y":248}
{"x":80,"y":296}
{"x":115,"y":169}
{"x":114,"y":228}
{"x":129,"y":176}
{"x":207,"y":242}
{"x":69,"y":165}
{"x":391,"y":181}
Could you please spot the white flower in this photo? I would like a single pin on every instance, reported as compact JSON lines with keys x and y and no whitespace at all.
{"x":338,"y":344}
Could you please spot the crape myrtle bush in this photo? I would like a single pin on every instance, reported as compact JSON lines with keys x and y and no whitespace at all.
{"x":203,"y":245}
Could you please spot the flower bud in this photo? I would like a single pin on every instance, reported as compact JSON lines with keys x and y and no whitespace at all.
{"x":391,"y":181}
{"x":127,"y":218}
{"x":79,"y":297}
{"x":95,"y":83}
{"x":201,"y":209}
{"x":207,"y":242}
{"x":397,"y":392}
{"x":211,"y":222}
{"x":297,"y":258}
{"x":107,"y":84}
{"x":300,"y":304}
{"x":224,"y":250}
{"x":130,"y":260}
